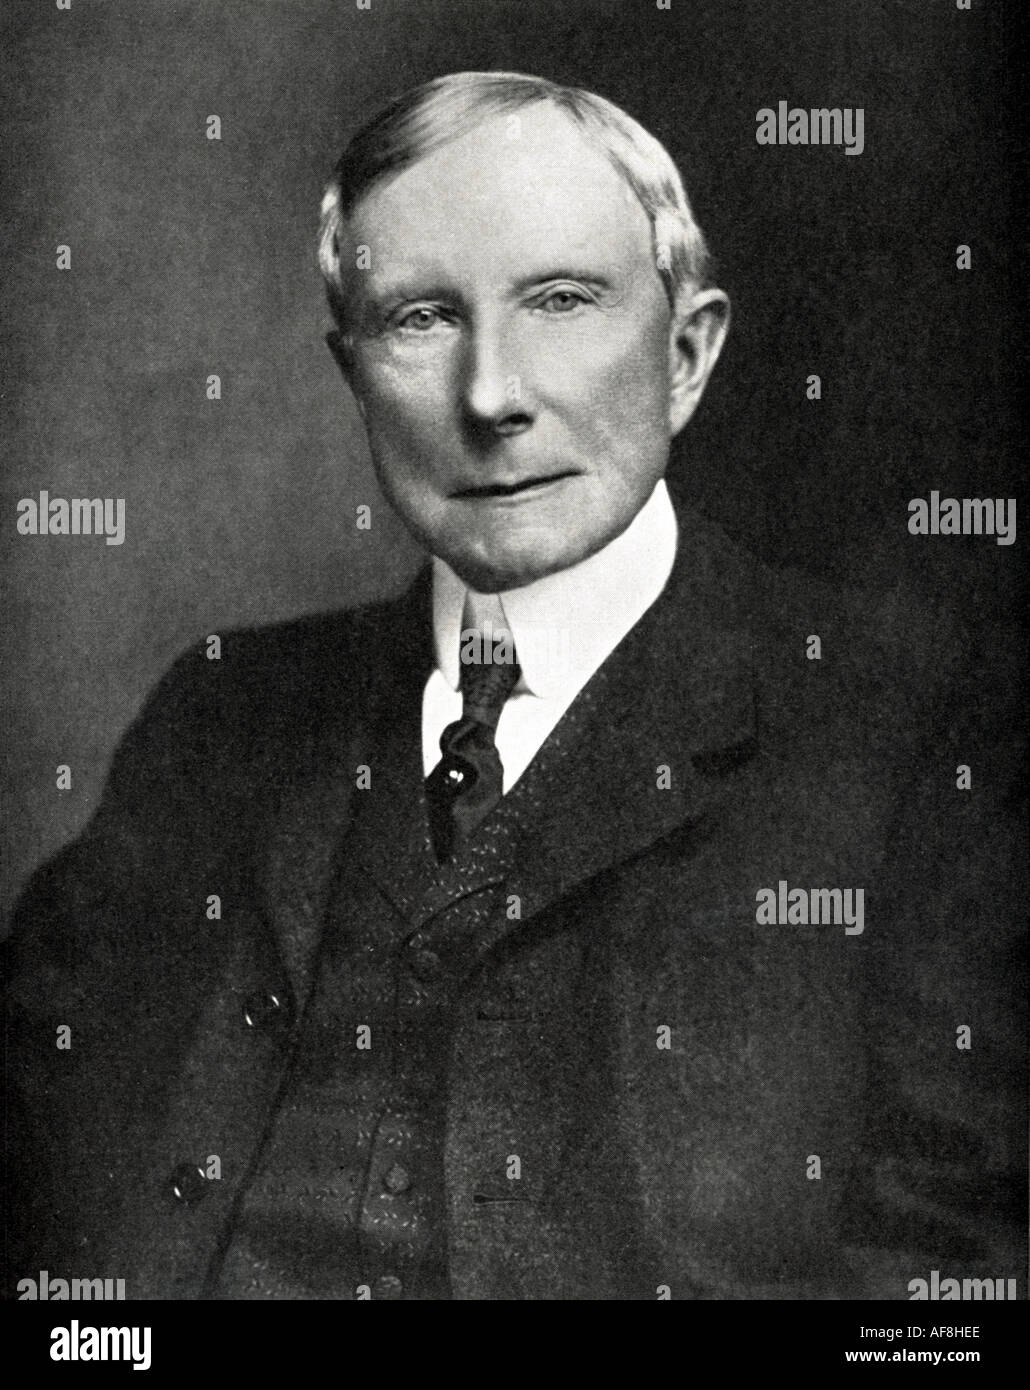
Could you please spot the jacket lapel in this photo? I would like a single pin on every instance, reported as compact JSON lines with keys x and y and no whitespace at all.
{"x":384,"y":659}
{"x":641,"y":750}
{"x":637,"y":756}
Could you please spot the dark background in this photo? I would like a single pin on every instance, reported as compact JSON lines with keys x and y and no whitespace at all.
{"x":192,"y":257}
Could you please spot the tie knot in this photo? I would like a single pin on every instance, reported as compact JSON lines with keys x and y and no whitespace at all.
{"x":485,"y":686}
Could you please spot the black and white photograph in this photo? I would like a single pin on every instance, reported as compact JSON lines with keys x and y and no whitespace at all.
{"x":514,"y":662}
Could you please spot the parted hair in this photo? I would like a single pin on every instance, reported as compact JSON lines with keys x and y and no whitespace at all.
{"x":437,"y":112}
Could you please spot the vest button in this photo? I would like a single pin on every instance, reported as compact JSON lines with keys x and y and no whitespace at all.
{"x":387,"y":1286}
{"x":189,"y":1183}
{"x":397,"y":1179}
{"x":425,"y":963}
{"x":265,"y":1011}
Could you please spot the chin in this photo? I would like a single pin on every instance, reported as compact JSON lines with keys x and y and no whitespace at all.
{"x":494,"y":578}
{"x":491,"y":574}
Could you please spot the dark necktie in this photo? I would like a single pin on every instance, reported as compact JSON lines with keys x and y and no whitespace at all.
{"x":468,"y":781}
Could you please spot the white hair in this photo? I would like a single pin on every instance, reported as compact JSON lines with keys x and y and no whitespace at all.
{"x":430,"y":116}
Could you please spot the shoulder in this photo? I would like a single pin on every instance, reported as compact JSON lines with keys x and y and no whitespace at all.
{"x":299,"y":656}
{"x":227,"y":718}
{"x":277,"y":674}
{"x":213,"y":742}
{"x":882,"y":660}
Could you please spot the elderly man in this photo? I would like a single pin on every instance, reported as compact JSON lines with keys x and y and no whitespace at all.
{"x":539,"y":934}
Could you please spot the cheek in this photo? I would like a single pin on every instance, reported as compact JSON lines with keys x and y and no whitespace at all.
{"x":406,"y":408}
{"x":621,"y":392}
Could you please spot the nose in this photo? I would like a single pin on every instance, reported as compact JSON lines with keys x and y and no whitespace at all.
{"x":493,"y":390}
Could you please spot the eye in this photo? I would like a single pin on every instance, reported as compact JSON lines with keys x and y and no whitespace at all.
{"x":562,"y":301}
{"x":419,"y":319}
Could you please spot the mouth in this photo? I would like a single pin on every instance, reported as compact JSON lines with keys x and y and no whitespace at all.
{"x":518,"y":489}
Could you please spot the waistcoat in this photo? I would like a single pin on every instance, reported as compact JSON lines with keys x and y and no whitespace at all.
{"x":347,"y":1200}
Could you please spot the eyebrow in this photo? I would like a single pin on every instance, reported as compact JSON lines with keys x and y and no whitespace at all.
{"x":401,"y":291}
{"x":410,"y":288}
{"x":585,"y":277}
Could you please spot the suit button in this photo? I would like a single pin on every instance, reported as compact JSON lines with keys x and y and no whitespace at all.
{"x":267,"y":1011}
{"x":189,"y":1184}
{"x":425,"y":963}
{"x":397,"y":1179}
{"x":387,"y":1286}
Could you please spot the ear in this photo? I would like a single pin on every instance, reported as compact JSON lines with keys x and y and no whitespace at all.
{"x":698,"y":330}
{"x":341,"y":346}
{"x":338,"y":344}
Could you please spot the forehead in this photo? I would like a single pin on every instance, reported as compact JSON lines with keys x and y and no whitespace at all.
{"x":519,"y":187}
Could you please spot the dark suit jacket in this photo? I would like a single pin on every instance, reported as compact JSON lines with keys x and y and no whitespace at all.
{"x":689,"y":1167}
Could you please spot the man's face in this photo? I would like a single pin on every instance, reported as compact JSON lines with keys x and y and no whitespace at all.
{"x":512,"y":349}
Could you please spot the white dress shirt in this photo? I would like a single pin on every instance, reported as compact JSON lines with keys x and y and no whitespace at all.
{"x":563,"y":626}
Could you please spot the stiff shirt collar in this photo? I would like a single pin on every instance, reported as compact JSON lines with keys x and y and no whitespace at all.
{"x":567,"y":624}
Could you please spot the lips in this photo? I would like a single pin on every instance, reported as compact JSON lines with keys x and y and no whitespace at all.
{"x":515,"y":489}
